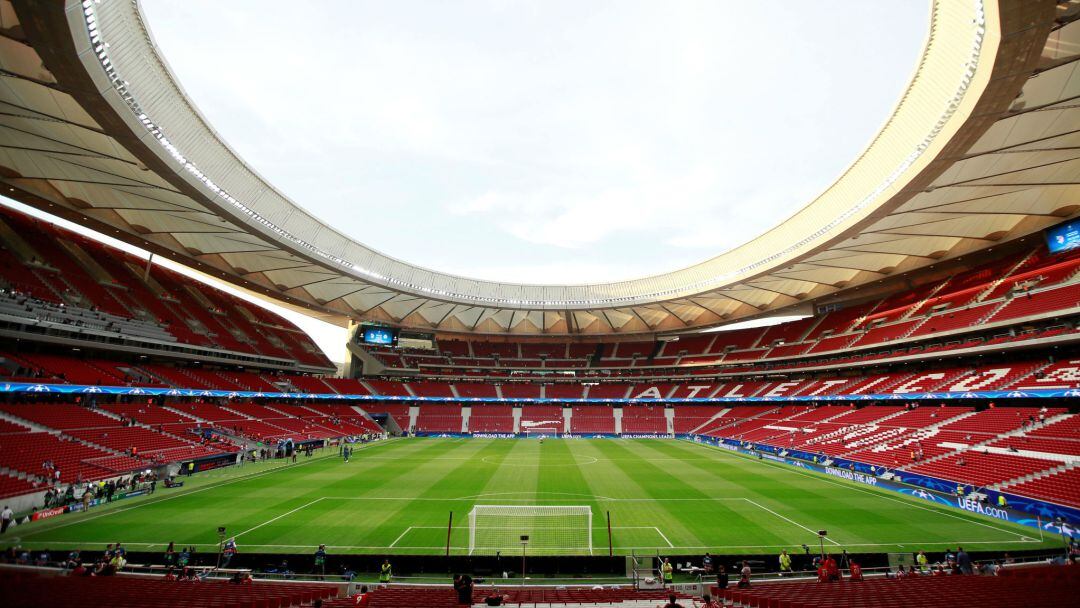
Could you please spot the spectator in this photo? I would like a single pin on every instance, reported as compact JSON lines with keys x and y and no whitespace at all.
{"x":963,"y":561}
{"x":673,"y":602}
{"x":5,"y":518}
{"x":856,"y":571}
{"x":386,"y":573}
{"x":707,"y":602}
{"x":364,"y":598}
{"x":463,"y":584}
{"x":785,"y":563}
{"x":744,"y":575}
{"x":494,"y":598}
{"x":831,"y":569}
{"x":228,"y":552}
{"x":722,"y":580}
{"x":922,"y":561}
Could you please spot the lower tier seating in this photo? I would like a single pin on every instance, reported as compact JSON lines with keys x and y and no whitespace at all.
{"x":1045,"y":587}
{"x":25,"y":591}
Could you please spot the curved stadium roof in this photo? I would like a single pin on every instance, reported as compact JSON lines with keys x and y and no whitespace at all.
{"x":980,"y":149}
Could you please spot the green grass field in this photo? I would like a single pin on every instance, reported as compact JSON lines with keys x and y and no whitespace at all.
{"x":395,"y":497}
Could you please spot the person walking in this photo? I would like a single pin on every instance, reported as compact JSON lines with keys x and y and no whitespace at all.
{"x":320,"y":559}
{"x":5,"y":518}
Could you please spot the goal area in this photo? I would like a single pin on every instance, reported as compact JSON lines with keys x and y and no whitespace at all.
{"x":552,"y":530}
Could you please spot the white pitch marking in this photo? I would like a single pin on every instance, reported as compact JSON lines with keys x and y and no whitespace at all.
{"x":400,"y":537}
{"x":190,"y":492}
{"x":272,"y":520}
{"x":790,"y":521}
{"x":824,"y":478}
{"x":663,"y":537}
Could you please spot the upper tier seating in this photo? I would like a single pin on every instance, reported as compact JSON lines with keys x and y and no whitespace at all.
{"x":108,"y":293}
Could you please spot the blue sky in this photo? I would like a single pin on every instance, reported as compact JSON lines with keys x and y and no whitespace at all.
{"x":545,"y":142}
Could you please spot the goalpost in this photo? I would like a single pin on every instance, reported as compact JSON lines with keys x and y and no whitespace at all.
{"x":552,"y":530}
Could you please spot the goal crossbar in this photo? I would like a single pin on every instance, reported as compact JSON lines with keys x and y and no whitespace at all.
{"x":551,"y":529}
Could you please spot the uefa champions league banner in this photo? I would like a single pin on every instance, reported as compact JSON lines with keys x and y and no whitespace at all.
{"x":1048,"y":517}
{"x":82,"y":389}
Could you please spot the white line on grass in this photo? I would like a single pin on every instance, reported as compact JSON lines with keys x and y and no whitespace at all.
{"x":400,"y":537}
{"x":821,"y":477}
{"x":285,"y":514}
{"x":663,"y":537}
{"x":196,"y":490}
{"x":791,"y":521}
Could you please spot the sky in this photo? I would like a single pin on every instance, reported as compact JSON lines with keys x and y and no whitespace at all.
{"x":548,"y":141}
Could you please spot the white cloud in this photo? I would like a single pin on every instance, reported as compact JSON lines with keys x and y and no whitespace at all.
{"x":638,"y":135}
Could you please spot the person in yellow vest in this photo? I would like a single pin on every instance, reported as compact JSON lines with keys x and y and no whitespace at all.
{"x":785,"y":563}
{"x":385,"y":572}
{"x":922,"y":561}
{"x":1001,"y":501}
{"x":668,"y":572}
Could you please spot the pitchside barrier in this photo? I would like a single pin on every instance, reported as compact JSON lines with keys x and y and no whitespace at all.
{"x":1048,"y":518}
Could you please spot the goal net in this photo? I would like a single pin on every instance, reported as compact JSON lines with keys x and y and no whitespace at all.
{"x":552,"y":530}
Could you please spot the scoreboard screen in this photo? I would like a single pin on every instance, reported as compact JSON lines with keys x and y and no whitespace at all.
{"x":383,"y":336}
{"x":1063,"y":237}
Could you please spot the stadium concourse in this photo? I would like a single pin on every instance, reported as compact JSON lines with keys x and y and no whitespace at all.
{"x":567,"y":445}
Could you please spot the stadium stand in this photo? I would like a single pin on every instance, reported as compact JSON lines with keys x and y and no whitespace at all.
{"x":1056,"y":584}
{"x":140,"y":591}
{"x":491,"y":419}
{"x":646,"y":419}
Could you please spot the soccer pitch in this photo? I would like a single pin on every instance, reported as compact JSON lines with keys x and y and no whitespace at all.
{"x":395,"y":497}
